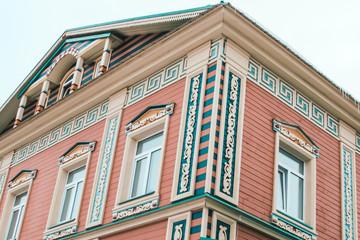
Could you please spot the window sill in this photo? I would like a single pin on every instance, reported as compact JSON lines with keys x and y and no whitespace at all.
{"x":136,"y":205}
{"x":61,"y":229}
{"x":286,"y":219}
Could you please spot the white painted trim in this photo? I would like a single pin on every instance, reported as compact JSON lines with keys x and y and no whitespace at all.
{"x":56,"y":203}
{"x":309,"y":183}
{"x":218,"y":216}
{"x":174,"y":195}
{"x":128,"y":164}
{"x":185,"y":216}
{"x":7,"y":209}
{"x":204,"y":222}
{"x":240,"y":123}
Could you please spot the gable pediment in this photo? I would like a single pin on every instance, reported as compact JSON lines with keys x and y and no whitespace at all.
{"x":21,"y":178}
{"x":296,"y":135}
{"x":77,"y":150}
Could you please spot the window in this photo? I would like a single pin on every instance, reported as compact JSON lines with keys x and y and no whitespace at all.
{"x":16,"y":216}
{"x":66,"y":85}
{"x":97,"y":68}
{"x":294,"y":195}
{"x":72,"y":194}
{"x":290,"y":197}
{"x":146,"y":167}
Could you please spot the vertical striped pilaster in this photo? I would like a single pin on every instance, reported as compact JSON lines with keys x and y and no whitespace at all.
{"x":195,"y":228}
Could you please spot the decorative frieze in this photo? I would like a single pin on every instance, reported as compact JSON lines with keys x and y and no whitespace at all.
{"x":357,"y":139}
{"x":190,"y":135}
{"x":22,"y":177}
{"x":2,"y":182}
{"x":141,"y":208}
{"x":154,"y":83}
{"x":102,"y":177}
{"x":222,"y":227}
{"x":149,"y":115}
{"x":292,"y":97}
{"x":178,"y":227}
{"x":296,"y":136}
{"x":62,"y":233}
{"x":61,"y":133}
{"x":217,"y":50}
{"x":292,"y":228}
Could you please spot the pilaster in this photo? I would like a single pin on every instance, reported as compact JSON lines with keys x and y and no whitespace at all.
{"x":20,"y":111}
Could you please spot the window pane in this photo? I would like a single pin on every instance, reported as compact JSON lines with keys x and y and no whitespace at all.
{"x":281,"y":191}
{"x":76,"y":175}
{"x":291,"y":161}
{"x":153,"y":171}
{"x":139,"y":178}
{"x":77,"y":200}
{"x":20,"y":199}
{"x":13,"y":223}
{"x":149,"y":143}
{"x":296,"y":190}
{"x":67,"y":204}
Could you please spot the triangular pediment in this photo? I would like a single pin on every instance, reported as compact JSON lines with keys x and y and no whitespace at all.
{"x":149,"y":115}
{"x":22,"y":177}
{"x":77,"y":150}
{"x":297,"y":135}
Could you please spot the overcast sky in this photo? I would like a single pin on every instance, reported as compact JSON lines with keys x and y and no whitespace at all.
{"x":325,"y":32}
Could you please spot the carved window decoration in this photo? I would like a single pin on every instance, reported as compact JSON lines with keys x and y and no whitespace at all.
{"x":15,"y":204}
{"x":142,"y":161}
{"x":294,"y":179}
{"x":222,"y":227}
{"x":66,"y":202}
{"x":178,"y":227}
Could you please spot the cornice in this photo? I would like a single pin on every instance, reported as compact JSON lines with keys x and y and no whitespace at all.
{"x":280,"y":59}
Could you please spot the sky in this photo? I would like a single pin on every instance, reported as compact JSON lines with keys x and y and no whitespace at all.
{"x":324,"y":32}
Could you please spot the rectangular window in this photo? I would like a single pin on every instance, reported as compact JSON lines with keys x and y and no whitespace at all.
{"x":72,"y":194}
{"x":290,"y":194}
{"x":146,"y":165}
{"x":16,"y":215}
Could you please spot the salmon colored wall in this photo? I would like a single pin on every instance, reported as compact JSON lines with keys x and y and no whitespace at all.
{"x":257,"y":163}
{"x":153,"y":231}
{"x":41,"y":193}
{"x":173,"y":93}
{"x":243,"y":232}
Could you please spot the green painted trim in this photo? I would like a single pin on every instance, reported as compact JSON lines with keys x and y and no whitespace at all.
{"x":298,"y":127}
{"x":143,"y":17}
{"x":43,"y":67}
{"x":244,"y":215}
{"x":87,"y":38}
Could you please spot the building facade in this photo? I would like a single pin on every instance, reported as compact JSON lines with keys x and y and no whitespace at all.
{"x":195,"y":124}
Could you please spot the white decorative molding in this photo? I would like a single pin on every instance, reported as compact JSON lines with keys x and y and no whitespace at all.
{"x":154,"y":83}
{"x":88,"y":147}
{"x":2,"y":182}
{"x":222,"y":227}
{"x":144,"y":207}
{"x":60,"y":234}
{"x":61,"y":133}
{"x":178,"y":227}
{"x":292,"y":229}
{"x":292,"y":97}
{"x":22,"y":177}
{"x":70,"y":51}
{"x":222,"y":233}
{"x":189,"y":135}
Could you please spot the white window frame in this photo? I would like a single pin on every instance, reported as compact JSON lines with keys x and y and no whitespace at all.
{"x":123,"y":199}
{"x":287,"y":171}
{"x":139,"y":157}
{"x":73,"y":199}
{"x":53,"y":223}
{"x":8,"y":208}
{"x":309,"y":202}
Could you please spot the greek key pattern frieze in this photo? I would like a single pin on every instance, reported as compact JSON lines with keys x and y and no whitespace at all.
{"x":154,"y":83}
{"x":292,"y":97}
{"x":230,"y":130}
{"x":61,"y":133}
{"x":190,"y":135}
{"x":348,"y":194}
{"x":217,"y":50}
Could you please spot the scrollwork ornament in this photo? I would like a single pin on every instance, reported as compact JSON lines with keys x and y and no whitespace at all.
{"x":222,"y":233}
{"x":230,"y":137}
{"x":178,"y":232}
{"x":189,"y":135}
